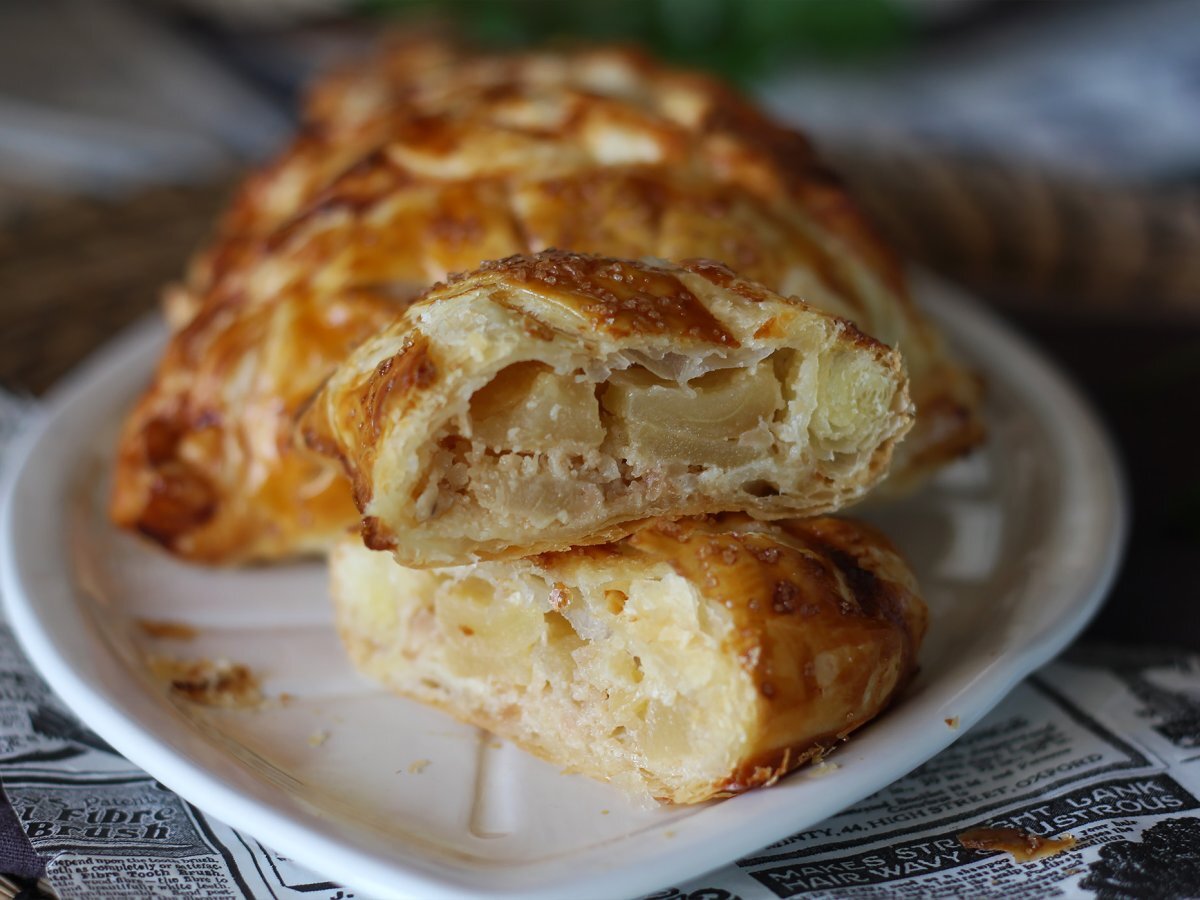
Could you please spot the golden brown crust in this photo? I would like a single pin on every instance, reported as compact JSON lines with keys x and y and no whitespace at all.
{"x":431,"y":95}
{"x":429,"y":159}
{"x":815,"y":627}
{"x":612,"y":296}
{"x":206,"y":463}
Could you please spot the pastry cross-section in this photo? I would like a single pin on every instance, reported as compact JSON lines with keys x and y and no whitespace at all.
{"x":689,"y":660}
{"x":544,"y":402}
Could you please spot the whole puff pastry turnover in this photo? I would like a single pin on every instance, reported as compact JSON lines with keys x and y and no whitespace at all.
{"x":690,"y":660}
{"x":545,"y":402}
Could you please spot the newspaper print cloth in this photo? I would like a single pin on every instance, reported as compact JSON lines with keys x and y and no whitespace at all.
{"x":1103,"y":746}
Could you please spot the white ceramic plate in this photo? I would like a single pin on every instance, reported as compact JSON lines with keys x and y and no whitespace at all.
{"x":1014,"y":548}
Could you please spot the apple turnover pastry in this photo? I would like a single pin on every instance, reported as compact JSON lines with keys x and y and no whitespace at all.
{"x":428,"y":160}
{"x":544,"y":402}
{"x":691,"y":660}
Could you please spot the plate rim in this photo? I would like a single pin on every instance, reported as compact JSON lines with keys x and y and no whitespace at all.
{"x":339,"y":857}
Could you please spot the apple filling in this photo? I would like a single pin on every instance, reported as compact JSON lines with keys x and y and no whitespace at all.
{"x":707,"y":421}
{"x":632,"y":673}
{"x":528,"y":406}
{"x":540,"y":449}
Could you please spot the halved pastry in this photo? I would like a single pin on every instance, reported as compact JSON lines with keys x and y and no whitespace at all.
{"x":691,"y":659}
{"x":544,"y":402}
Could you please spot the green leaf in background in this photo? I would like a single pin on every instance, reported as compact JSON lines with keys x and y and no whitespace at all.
{"x":738,"y":38}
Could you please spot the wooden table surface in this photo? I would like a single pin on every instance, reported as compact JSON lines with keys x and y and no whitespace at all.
{"x":1115,"y":301}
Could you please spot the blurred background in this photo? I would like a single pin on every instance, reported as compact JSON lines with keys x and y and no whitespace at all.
{"x":1045,"y":154}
